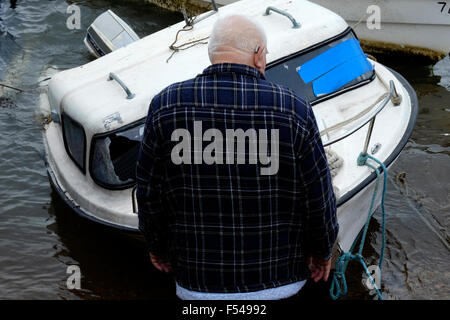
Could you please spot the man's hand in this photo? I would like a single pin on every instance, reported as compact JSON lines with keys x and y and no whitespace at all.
{"x":160,"y":264}
{"x":320,"y":268}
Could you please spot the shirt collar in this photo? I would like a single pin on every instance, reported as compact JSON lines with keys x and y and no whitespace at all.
{"x":233,"y":68}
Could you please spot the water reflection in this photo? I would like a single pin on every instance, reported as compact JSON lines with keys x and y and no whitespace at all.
{"x":442,"y":69}
{"x":114,"y":265}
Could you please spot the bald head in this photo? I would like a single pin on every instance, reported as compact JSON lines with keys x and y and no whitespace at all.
{"x":238,"y":39}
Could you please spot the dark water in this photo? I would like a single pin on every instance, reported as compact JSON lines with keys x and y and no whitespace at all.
{"x":40,"y":237}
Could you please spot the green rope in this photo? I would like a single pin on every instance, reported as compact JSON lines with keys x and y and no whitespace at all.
{"x":339,"y":282}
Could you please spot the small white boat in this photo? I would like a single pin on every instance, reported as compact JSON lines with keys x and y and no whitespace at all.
{"x":99,"y":109}
{"x":108,"y":33}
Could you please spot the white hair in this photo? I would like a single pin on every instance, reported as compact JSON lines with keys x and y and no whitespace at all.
{"x":236,"y":31}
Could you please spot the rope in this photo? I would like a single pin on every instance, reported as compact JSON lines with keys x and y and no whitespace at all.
{"x":356,"y":117}
{"x":335,"y":162}
{"x":10,"y":87}
{"x":188,"y":27}
{"x":339,"y":282}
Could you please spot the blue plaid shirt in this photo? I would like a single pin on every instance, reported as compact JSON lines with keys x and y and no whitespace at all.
{"x":225,"y":227}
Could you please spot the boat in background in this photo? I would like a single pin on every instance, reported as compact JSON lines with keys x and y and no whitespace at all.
{"x":419,"y":27}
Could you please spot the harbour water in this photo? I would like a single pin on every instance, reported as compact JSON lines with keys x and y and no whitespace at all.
{"x":40,"y":237}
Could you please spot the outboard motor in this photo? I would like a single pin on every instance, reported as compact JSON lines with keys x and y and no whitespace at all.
{"x":108,"y":33}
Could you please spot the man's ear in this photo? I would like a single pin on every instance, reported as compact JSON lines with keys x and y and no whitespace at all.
{"x":258,"y":59}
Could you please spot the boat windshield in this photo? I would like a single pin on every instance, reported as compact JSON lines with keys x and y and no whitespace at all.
{"x":323,"y":71}
{"x":114,"y":157}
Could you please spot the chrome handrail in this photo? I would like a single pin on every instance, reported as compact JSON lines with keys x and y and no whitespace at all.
{"x":391,"y":95}
{"x":113,"y":76}
{"x":284,"y":13}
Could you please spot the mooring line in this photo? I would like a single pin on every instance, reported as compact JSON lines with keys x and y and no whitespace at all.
{"x":425,"y":220}
{"x":339,"y":286}
{"x":36,"y":89}
{"x":10,"y":87}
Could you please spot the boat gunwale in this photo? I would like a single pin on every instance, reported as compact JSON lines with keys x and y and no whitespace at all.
{"x":400,"y":146}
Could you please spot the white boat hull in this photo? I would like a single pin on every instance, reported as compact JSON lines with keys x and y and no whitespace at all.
{"x":147,"y":72}
{"x":353,"y":206}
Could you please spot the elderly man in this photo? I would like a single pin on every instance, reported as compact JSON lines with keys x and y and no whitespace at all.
{"x":234,"y":191}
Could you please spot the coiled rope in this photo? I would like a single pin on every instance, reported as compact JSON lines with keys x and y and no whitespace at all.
{"x":339,"y":282}
{"x":188,"y":27}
